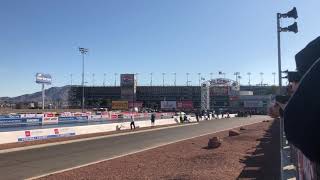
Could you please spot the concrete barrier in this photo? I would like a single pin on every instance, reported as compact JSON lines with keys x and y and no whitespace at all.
{"x":57,"y":132}
{"x":48,"y":133}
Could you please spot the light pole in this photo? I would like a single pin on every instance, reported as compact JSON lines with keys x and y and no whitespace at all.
{"x":211,"y":74}
{"x":199,"y":74}
{"x":71,"y":79}
{"x":236,"y":74}
{"x":175,"y":79}
{"x":104,"y":79}
{"x":274,"y":78}
{"x":187,"y":78}
{"x":222,"y":73}
{"x":115,"y":79}
{"x":83,"y":51}
{"x":93,"y":79}
{"x":163,"y":78}
{"x":261,"y":76}
{"x":293,"y":28}
{"x":136,"y":77}
{"x":151,"y":79}
{"x":249,"y":75}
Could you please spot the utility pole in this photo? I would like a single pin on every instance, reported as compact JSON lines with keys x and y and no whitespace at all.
{"x":104,"y":79}
{"x":199,"y":74}
{"x":83,"y":51}
{"x":211,"y":74}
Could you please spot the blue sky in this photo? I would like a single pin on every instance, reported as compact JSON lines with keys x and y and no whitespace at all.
{"x":143,"y":36}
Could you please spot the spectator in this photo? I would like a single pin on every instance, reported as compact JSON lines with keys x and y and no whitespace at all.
{"x":153,"y":118}
{"x":132,"y":124}
{"x":197,"y":116}
{"x":301,"y":114}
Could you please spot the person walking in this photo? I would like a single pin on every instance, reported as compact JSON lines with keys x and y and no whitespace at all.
{"x":132,"y":124}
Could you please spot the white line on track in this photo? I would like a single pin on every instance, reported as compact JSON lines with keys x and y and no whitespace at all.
{"x":134,"y":152}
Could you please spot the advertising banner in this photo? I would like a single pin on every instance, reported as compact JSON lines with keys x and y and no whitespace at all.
{"x":185,"y":105}
{"x":72,"y":119}
{"x":168,"y":105}
{"x":137,"y":104}
{"x":19,"y":122}
{"x":127,"y":80}
{"x":11,"y":122}
{"x":219,"y":91}
{"x":43,"y":78}
{"x":39,"y":134}
{"x":50,"y":120}
{"x":33,"y":121}
{"x":253,"y":104}
{"x":120,"y":105}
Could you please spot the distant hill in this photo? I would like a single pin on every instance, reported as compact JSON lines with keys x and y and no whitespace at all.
{"x":52,"y":94}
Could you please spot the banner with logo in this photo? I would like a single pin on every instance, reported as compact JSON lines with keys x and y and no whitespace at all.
{"x":185,"y":105}
{"x":41,"y":134}
{"x":168,"y":105}
{"x":120,"y":105}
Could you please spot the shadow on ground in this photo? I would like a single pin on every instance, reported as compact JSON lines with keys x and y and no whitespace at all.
{"x":264,"y":163}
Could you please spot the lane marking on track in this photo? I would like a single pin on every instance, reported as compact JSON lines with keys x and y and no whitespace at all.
{"x":134,"y":152}
{"x":3,"y":151}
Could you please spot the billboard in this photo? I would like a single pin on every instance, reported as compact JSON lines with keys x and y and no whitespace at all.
{"x":253,"y":104}
{"x":43,"y":78}
{"x":120,"y":105}
{"x":127,"y":80}
{"x":219,"y":91}
{"x":184,"y":105}
{"x":168,"y":104}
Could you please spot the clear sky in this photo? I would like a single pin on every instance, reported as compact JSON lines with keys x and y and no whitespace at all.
{"x":143,"y":36}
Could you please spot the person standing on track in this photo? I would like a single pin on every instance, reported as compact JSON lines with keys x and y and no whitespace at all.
{"x":132,"y":122}
{"x":153,"y":118}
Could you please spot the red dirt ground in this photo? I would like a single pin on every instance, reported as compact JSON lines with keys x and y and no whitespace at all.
{"x":254,"y":154}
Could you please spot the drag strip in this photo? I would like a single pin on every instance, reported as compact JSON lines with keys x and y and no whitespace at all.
{"x":36,"y":162}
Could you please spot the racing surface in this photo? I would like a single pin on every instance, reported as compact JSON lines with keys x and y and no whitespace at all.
{"x":35,"y":162}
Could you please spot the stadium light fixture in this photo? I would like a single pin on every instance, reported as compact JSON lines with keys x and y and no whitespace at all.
{"x":83,"y":51}
{"x":292,"y":28}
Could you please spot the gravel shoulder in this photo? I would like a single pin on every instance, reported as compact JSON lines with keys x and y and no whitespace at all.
{"x":251,"y":155}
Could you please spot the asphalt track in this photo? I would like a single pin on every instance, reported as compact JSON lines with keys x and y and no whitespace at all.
{"x":35,"y":162}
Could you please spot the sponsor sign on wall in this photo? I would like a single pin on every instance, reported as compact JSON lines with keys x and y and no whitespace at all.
{"x":168,"y":105}
{"x":127,"y":80}
{"x":50,"y":120}
{"x":19,"y":122}
{"x":39,"y":134}
{"x":72,"y":119}
{"x":253,"y":104}
{"x":120,"y":105}
{"x":219,"y":91}
{"x":184,"y":105}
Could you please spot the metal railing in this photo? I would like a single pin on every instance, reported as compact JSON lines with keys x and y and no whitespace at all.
{"x":294,"y":164}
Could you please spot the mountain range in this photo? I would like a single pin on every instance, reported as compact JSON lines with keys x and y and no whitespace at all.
{"x":52,"y":94}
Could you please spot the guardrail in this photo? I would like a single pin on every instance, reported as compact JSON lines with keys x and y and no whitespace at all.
{"x":294,"y":164}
